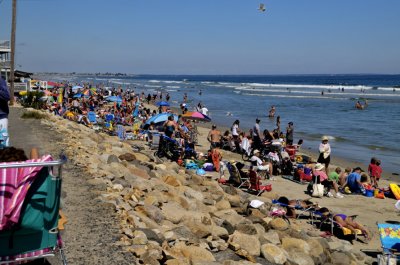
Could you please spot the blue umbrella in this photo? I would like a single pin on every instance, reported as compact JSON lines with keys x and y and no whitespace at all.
{"x":162,"y":117}
{"x":114,"y":99}
{"x":162,"y":104}
{"x":79,"y":95}
{"x":76,"y":88}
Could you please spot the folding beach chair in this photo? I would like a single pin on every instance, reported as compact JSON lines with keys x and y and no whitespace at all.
{"x":235,"y":178}
{"x":310,"y":210}
{"x":327,"y":223}
{"x":155,"y":139}
{"x":92,"y":117}
{"x":389,"y":235}
{"x":121,"y":133}
{"x":29,"y":210}
{"x":255,"y":183}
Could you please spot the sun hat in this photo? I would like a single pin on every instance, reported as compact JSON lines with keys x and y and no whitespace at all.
{"x":318,"y":166}
{"x":325,"y":138}
{"x":256,"y":151}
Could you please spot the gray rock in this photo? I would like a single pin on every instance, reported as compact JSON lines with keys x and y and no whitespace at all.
{"x":249,"y":243}
{"x":273,"y":253}
{"x":299,"y":258}
{"x":151,"y":235}
{"x":231,"y":190}
{"x":340,"y":245}
{"x":248,"y":229}
{"x":270,"y":237}
{"x":183,"y":232}
{"x":340,"y":258}
{"x":112,"y":159}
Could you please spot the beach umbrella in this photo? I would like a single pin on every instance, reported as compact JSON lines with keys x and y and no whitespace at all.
{"x":52,"y":84}
{"x":89,"y":93}
{"x":196,"y":116}
{"x":162,"y":117}
{"x":79,"y":95}
{"x":114,"y":99}
{"x":75,"y":88}
{"x":162,"y":104}
{"x":47,"y":92}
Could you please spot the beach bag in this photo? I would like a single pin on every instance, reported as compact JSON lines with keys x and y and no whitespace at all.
{"x":317,"y":189}
{"x":208,"y":167}
{"x":379,"y":194}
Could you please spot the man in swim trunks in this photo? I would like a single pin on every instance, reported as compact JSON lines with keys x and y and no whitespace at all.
{"x":214,"y":137}
{"x":354,"y":180}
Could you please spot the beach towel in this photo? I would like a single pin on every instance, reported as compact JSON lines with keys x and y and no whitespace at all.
{"x":14,"y":185}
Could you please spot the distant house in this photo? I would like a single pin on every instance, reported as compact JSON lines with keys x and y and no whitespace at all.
{"x":5,"y":59}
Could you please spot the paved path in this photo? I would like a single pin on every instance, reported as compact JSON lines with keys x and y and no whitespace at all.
{"x":92,"y":229}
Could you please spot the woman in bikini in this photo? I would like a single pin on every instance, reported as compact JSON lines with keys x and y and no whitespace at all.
{"x":346,"y":221}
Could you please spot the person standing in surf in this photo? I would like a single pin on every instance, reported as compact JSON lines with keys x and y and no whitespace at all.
{"x":256,"y":135}
{"x":235,"y":130}
{"x":289,"y":133}
{"x":271,"y":112}
{"x":324,"y":153}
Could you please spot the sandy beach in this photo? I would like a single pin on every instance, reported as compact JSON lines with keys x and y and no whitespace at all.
{"x":369,"y":210}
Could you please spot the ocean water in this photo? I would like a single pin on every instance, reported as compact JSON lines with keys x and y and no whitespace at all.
{"x":356,"y":135}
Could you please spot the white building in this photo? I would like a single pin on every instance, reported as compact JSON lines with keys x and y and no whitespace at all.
{"x":5,"y":59}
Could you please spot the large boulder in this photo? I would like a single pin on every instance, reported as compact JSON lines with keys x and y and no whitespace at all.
{"x":173,"y":212}
{"x":193,"y":253}
{"x":274,"y":254}
{"x":152,"y":212}
{"x":295,"y":244}
{"x":249,"y":243}
{"x":299,"y":258}
{"x":317,"y":251}
{"x":112,"y":159}
{"x":231,"y":216}
{"x":172,"y":181}
{"x":270,"y":237}
{"x":278,"y":224}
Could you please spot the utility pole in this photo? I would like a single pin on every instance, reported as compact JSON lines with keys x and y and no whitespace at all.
{"x":13,"y":29}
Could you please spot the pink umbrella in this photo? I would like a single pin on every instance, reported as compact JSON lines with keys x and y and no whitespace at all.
{"x":198,"y":116}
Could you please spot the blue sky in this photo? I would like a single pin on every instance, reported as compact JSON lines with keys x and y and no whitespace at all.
{"x":207,"y":36}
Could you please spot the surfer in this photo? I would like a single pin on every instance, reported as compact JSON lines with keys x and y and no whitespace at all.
{"x":200,"y":92}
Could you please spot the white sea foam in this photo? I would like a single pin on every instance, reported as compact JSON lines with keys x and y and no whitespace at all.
{"x":289,"y":96}
{"x":318,"y":92}
{"x":359,"y":87}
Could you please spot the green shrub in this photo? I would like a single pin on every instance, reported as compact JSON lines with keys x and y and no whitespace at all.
{"x":32,"y":100}
{"x":33,"y":115}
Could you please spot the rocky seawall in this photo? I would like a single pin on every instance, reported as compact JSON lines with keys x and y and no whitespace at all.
{"x":169,"y":215}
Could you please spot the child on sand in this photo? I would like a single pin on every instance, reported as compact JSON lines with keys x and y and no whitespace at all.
{"x":374,"y":171}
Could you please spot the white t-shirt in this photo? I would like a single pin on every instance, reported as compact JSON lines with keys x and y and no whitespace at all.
{"x":256,"y":158}
{"x":234,"y":129}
